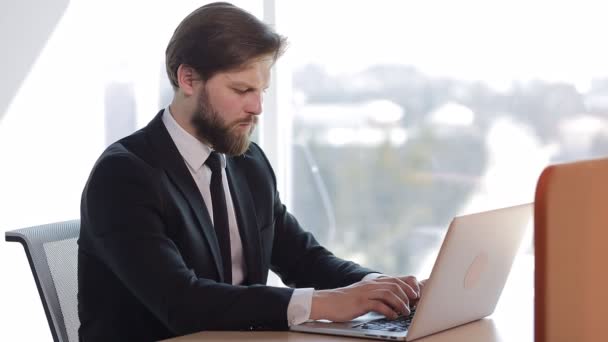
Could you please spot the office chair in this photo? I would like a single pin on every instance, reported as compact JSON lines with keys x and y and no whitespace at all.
{"x":570,"y":221}
{"x":52,"y":250}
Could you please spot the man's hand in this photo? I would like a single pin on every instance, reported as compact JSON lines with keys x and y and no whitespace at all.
{"x":390,"y":296}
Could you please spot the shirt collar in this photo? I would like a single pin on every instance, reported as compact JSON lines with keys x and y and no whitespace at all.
{"x":194,"y":152}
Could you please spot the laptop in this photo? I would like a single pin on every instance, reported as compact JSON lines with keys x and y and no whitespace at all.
{"x":465,"y":284}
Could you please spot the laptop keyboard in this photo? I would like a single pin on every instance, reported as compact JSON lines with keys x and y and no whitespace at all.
{"x":402,"y":323}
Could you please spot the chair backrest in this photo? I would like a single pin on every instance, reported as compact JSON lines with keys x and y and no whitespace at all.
{"x":571,"y":216}
{"x":52,"y":250}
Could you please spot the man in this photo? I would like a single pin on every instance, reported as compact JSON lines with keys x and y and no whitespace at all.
{"x":181,"y":221}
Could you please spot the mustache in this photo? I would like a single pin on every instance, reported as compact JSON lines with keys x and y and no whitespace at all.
{"x":252,"y":121}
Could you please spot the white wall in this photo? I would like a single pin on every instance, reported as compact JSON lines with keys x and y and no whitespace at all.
{"x":28,"y":158}
{"x":34,"y":21}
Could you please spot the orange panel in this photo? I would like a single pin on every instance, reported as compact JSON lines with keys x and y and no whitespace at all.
{"x":571,"y":246}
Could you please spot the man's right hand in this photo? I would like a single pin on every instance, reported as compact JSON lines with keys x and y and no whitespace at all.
{"x":390,"y":296}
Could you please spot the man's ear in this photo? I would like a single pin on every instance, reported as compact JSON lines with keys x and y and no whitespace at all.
{"x":186,"y":78}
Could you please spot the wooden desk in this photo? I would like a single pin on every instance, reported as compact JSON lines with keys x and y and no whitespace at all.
{"x":511,"y":322}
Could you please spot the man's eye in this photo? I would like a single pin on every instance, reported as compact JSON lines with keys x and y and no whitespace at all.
{"x":241,"y":91}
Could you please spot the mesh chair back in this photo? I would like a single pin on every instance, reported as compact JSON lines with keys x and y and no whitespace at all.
{"x":52,"y":250}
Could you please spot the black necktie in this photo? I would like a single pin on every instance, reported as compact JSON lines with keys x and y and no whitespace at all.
{"x":220,"y":213}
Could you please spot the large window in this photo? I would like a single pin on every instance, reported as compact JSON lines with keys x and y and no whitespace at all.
{"x":407,"y":113}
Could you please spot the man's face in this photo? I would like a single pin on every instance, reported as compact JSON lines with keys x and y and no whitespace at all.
{"x":229,"y":104}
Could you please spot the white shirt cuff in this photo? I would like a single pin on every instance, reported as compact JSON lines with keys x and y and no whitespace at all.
{"x":372,"y":276}
{"x":298,"y":309}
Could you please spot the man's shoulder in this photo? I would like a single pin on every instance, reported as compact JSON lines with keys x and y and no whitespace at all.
{"x":135,"y":145}
{"x":149,"y":144}
{"x":128,"y":153}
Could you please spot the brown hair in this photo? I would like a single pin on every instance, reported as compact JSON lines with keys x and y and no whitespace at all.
{"x":220,"y":37}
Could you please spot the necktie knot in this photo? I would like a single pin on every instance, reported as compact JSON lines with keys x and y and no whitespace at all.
{"x":214,"y":162}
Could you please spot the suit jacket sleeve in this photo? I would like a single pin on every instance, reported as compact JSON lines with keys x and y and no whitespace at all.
{"x":125,"y":220}
{"x":298,"y":258}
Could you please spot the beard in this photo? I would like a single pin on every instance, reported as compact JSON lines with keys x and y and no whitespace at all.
{"x":223,"y":136}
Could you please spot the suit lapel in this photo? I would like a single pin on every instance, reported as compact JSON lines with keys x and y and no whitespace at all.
{"x":173,"y":163}
{"x":246,"y":219}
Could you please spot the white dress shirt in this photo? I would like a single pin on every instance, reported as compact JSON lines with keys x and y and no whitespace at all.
{"x":195,"y":154}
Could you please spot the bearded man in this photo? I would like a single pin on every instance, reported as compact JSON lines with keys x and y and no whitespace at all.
{"x":181,"y":221}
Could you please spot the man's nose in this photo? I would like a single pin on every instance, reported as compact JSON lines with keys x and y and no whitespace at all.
{"x":254,"y":105}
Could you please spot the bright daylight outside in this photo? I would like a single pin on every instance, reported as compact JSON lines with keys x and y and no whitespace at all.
{"x":406,"y":114}
{"x":396,"y":115}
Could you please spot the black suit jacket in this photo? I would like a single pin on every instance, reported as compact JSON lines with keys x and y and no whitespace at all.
{"x":149,"y":265}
